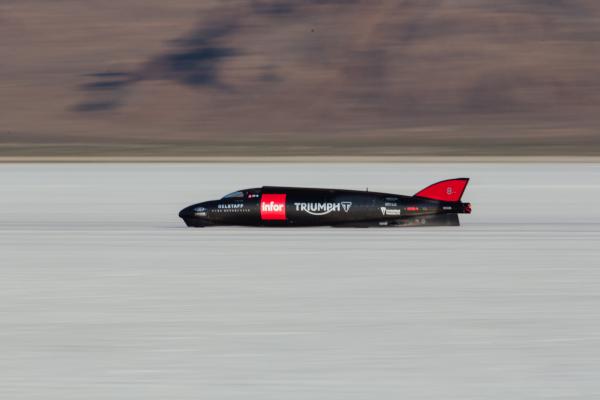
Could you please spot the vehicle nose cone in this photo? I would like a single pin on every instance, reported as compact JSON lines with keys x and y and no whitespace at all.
{"x":186,"y":212}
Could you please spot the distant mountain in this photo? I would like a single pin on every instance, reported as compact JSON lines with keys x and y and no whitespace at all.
{"x":300,"y":77}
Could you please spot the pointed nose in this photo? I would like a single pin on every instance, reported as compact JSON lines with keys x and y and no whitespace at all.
{"x":187,"y":212}
{"x":195,"y":211}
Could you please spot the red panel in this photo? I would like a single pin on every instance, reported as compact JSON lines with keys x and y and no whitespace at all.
{"x":450,"y":190}
{"x":272,"y":207}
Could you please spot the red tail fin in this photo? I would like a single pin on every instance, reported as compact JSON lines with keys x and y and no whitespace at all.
{"x":449,"y":190}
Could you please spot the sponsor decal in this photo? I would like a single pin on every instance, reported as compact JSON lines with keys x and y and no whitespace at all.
{"x":391,"y":212}
{"x":272,"y":207}
{"x":230,"y":206}
{"x":446,"y":208}
{"x":391,"y":204}
{"x":253,"y":195}
{"x":200,"y":212}
{"x":323,"y":208}
{"x":412,"y":208}
{"x":346,"y":205}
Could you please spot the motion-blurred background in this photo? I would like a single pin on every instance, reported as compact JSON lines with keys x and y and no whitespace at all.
{"x":299,"y":77}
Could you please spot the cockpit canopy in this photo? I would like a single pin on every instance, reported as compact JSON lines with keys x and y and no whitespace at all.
{"x":243,"y":194}
{"x":234,"y":195}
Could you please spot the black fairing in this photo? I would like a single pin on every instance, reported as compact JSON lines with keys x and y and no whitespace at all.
{"x":288,"y":206}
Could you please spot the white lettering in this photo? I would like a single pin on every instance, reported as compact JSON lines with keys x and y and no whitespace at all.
{"x":387,"y":211}
{"x":322,"y":208}
{"x":272,"y":207}
{"x":229,"y":206}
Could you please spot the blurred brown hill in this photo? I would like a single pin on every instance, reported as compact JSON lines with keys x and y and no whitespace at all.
{"x":300,"y":77}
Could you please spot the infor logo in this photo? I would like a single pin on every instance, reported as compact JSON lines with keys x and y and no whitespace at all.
{"x":272,"y":207}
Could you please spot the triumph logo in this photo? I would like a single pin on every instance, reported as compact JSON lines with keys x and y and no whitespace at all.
{"x":323,"y":208}
{"x":346,"y":205}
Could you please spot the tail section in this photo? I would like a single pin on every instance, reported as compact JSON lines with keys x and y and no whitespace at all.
{"x":449,"y":190}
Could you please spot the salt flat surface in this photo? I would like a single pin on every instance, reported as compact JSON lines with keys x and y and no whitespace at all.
{"x":104,"y":294}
